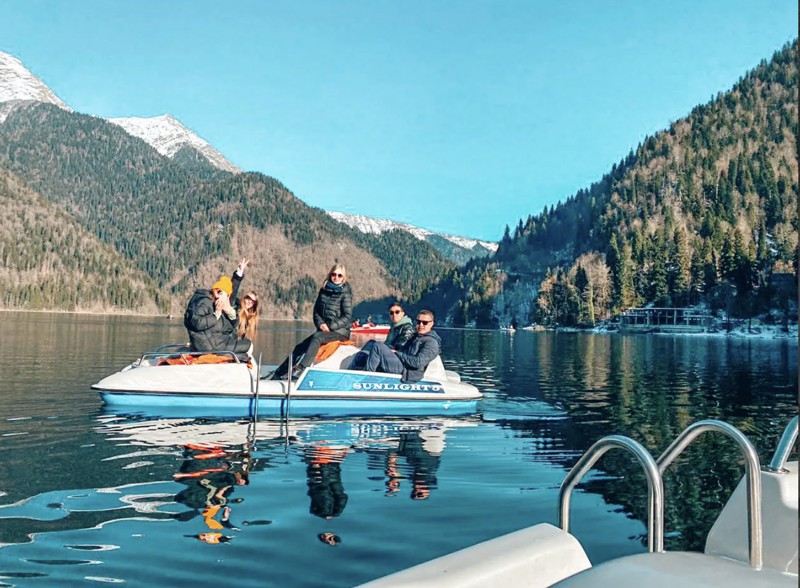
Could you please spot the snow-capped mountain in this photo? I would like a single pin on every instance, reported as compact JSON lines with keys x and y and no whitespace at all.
{"x":168,"y":136}
{"x":17,"y":83}
{"x":459,"y":249}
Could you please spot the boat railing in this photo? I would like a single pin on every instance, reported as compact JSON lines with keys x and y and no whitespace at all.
{"x":784,"y":449}
{"x":752,"y":471}
{"x":181,"y":350}
{"x":655,"y":485}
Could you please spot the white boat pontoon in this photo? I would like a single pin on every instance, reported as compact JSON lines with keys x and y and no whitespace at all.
{"x":753,"y":542}
{"x":173,"y":378}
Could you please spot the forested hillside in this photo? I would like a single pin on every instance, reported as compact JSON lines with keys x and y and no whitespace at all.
{"x":181,"y":224}
{"x":48,"y":261}
{"x":703,"y":212}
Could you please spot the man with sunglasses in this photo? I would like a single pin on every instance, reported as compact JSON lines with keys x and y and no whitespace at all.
{"x":413,"y":358}
{"x":400,"y":333}
{"x":402,"y":329}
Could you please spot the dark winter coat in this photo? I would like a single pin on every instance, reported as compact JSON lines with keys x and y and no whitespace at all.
{"x":334,"y":307}
{"x":206,"y":331}
{"x":400,"y":333}
{"x":417,"y":354}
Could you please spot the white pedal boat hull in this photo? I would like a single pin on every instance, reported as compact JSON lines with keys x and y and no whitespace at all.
{"x":323,"y":389}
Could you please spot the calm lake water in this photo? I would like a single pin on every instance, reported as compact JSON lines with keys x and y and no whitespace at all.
{"x":89,"y":496}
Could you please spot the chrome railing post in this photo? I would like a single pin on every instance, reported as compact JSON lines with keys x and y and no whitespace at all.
{"x":752,"y":471}
{"x":785,"y":446}
{"x":655,"y":486}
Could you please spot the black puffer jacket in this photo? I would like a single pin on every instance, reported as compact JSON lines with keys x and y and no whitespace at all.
{"x":334,"y":307}
{"x":417,"y":354}
{"x":206,"y":331}
{"x":400,"y":333}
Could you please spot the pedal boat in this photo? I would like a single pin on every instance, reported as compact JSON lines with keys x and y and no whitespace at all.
{"x":370,"y":329}
{"x":238,"y":388}
{"x":753,"y":542}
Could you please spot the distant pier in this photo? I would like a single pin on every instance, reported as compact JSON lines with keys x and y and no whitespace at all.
{"x":668,"y":320}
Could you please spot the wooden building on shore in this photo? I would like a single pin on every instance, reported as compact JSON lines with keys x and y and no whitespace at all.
{"x":666,"y":320}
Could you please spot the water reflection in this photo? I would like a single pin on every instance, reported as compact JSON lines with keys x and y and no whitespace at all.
{"x":324,"y":471}
{"x":211,"y":474}
{"x":79,"y":484}
{"x":221,"y":455}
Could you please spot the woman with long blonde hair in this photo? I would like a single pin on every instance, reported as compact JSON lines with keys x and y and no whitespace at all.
{"x":332,"y":317}
{"x":248,"y":316}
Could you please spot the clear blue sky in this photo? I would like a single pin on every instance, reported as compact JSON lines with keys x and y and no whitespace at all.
{"x":457,"y":116}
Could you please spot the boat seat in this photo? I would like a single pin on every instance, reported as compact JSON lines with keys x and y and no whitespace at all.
{"x":341,"y":358}
{"x":435,"y":370}
{"x":677,"y":569}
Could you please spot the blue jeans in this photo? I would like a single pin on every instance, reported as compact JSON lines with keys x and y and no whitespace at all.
{"x":359,"y":361}
{"x":381,"y":358}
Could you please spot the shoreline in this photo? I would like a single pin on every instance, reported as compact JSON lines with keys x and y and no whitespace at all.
{"x":764,"y":332}
{"x":127,"y":314}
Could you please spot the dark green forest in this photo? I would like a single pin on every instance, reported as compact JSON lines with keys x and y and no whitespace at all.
{"x":170,"y":217}
{"x":704,"y":212}
{"x":48,"y":261}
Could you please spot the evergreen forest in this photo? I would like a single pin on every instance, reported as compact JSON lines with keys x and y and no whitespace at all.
{"x":181,"y":224}
{"x":703,"y":214}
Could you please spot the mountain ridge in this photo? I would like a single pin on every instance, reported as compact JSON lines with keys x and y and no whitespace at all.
{"x":182,"y":229}
{"x":168,"y":136}
{"x":18,"y":83}
{"x":458,"y":249}
{"x":701,"y":213}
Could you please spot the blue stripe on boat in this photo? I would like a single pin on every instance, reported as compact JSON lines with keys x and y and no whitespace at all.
{"x":328,"y":381}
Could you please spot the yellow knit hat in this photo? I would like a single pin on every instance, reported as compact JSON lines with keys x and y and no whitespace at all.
{"x":224,"y":283}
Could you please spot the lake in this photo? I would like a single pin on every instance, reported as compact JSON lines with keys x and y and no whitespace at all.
{"x":92,"y":496}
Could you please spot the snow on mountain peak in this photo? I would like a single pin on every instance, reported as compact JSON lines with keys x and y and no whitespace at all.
{"x":377,"y":226}
{"x":17,"y":83}
{"x":167,"y":135}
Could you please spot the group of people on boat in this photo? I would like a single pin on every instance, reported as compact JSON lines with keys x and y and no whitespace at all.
{"x":218,"y":321}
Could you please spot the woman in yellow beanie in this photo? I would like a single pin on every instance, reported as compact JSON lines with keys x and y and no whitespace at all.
{"x":211,"y":319}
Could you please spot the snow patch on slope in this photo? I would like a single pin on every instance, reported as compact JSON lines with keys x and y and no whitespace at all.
{"x":376,"y":226}
{"x":167,"y":136}
{"x":17,"y":83}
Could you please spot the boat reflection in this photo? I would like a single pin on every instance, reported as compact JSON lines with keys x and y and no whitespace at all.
{"x":220,"y":456}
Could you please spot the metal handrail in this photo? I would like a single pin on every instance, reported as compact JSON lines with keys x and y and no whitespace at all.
{"x":159,"y":353}
{"x":752,"y":471}
{"x":255,"y":392}
{"x":785,"y":446}
{"x":655,"y":486}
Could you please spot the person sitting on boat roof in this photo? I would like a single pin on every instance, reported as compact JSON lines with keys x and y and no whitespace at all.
{"x":333,"y":312}
{"x":413,"y":358}
{"x":400,"y":333}
{"x":212,"y":321}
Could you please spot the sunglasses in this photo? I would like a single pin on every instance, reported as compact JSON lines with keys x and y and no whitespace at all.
{"x":334,"y":275}
{"x":419,"y":322}
{"x":250,"y":298}
{"x":395,"y":312}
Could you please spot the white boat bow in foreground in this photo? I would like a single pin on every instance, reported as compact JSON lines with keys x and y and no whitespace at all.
{"x":753,"y":542}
